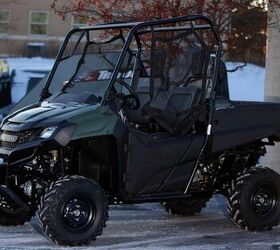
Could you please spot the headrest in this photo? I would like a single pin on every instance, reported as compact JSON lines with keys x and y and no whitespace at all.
{"x":159,"y":59}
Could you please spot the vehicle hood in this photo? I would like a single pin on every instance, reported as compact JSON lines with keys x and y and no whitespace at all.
{"x":48,"y":111}
{"x":90,"y":120}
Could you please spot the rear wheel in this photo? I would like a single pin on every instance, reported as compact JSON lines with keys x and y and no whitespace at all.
{"x":254,"y":199}
{"x":73,"y":211}
{"x":185,"y":207}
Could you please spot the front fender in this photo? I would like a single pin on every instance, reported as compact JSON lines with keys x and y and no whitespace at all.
{"x":98,"y":122}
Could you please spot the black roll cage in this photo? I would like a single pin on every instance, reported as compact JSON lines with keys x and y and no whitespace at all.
{"x":134,"y":26}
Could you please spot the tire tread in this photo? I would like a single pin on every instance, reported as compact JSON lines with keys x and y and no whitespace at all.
{"x":55,"y":192}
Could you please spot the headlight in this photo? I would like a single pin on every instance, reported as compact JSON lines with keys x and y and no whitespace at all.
{"x":47,"y":132}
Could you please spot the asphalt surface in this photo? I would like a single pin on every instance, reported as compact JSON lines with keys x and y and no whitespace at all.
{"x":148,"y":226}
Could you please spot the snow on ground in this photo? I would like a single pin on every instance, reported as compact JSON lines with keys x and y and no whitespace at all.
{"x":148,"y":226}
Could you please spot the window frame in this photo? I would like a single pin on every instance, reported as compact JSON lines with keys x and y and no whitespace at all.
{"x":77,"y":25}
{"x":8,"y":22}
{"x":38,"y":23}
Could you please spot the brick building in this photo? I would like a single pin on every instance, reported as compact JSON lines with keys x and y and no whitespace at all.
{"x":31,"y":28}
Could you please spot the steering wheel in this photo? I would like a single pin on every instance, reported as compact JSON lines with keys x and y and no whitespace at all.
{"x":126,"y":99}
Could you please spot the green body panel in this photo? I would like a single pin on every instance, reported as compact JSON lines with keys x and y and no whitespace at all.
{"x":89,"y":120}
{"x":93,"y":121}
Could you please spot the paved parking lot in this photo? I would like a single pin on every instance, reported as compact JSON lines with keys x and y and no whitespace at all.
{"x":150,"y":227}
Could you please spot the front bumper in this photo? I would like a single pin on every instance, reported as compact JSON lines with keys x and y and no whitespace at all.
{"x":27,"y":151}
{"x":18,"y":157}
{"x":24,"y":153}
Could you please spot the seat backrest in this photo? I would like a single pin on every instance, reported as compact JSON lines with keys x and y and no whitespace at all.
{"x":182,"y":99}
{"x":173,"y":108}
{"x":143,"y":95}
{"x":176,"y":100}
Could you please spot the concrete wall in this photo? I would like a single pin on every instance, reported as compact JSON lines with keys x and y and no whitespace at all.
{"x":272,"y":82}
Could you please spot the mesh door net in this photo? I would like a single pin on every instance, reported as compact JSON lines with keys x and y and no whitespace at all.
{"x":177,"y":64}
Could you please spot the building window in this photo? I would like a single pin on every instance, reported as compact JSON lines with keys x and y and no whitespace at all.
{"x":5,"y":17}
{"x":79,"y":22}
{"x":39,"y":22}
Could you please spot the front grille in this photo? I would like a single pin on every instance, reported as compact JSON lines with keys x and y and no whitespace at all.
{"x":8,"y":145}
{"x":9,"y":140}
{"x":24,"y":136}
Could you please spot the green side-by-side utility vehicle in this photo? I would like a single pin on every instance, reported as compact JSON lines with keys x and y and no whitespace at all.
{"x":134,"y":113}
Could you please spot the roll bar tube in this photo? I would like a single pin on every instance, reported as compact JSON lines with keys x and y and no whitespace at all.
{"x":134,"y":27}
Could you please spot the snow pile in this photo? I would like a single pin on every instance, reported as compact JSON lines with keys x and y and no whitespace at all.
{"x":25,"y":69}
{"x":246,"y":84}
{"x":35,"y":63}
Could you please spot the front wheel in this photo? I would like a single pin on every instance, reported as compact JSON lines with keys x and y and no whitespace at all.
{"x":254,"y":199}
{"x":11,"y":214}
{"x":73,"y":211}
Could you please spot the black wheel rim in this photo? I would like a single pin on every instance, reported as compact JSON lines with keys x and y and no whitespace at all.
{"x":264,"y":200}
{"x":78,"y":213}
